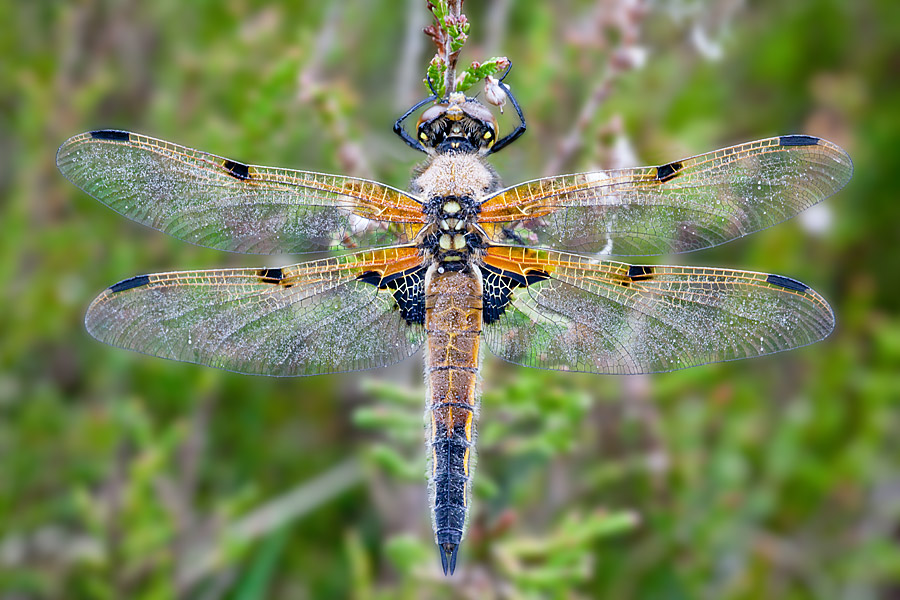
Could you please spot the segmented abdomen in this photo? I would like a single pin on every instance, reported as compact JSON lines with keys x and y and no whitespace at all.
{"x":453,"y":313}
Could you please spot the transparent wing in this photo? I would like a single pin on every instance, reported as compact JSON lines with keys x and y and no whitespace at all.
{"x":682,"y":206}
{"x":324,"y":316}
{"x":599,"y":316}
{"x":216,"y":202}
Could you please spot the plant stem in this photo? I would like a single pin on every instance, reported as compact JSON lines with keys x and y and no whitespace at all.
{"x":452,"y":57}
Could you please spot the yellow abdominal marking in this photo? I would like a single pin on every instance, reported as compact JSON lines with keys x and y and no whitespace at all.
{"x":466,"y":471}
{"x":469,"y":421}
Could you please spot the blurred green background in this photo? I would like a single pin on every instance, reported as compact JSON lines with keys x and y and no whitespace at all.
{"x":123,"y":476}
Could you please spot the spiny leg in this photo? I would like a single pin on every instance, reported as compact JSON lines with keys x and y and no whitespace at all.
{"x":398,"y":124}
{"x":520,"y":129}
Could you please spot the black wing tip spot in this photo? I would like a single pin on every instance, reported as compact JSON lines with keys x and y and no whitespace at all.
{"x":787,"y":283}
{"x":128,"y":284}
{"x":237,"y":170}
{"x":798,"y":140}
{"x":110,"y":134}
{"x":667,"y":172}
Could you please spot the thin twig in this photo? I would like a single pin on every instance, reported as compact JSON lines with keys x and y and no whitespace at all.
{"x":322,"y":95}
{"x":178,"y":494}
{"x":572,"y":142}
{"x":628,"y":20}
{"x":452,"y":57}
{"x":497,"y":19}
{"x":273,"y":515}
{"x":114,"y":536}
{"x":408,"y":82}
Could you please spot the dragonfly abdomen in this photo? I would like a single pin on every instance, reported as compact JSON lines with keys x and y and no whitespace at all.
{"x":453,"y":316}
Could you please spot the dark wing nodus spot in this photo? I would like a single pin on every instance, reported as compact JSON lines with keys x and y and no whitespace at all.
{"x":130,"y":283}
{"x":667,"y":172}
{"x":274,"y":276}
{"x":111,"y":134}
{"x":237,"y":170}
{"x":640,"y":272}
{"x":787,"y":283}
{"x":798,"y":140}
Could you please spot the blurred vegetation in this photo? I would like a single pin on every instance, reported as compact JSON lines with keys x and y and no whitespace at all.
{"x":130,"y":477}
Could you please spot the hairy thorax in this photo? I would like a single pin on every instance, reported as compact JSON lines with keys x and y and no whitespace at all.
{"x":455,"y":174}
{"x":453,"y":185}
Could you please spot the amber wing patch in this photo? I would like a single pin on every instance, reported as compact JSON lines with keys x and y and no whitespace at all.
{"x":315,"y":317}
{"x":603,"y":316}
{"x":230,"y":205}
{"x":681,"y":206}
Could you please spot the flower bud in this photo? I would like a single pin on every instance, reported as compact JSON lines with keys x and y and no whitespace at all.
{"x":493,"y":93}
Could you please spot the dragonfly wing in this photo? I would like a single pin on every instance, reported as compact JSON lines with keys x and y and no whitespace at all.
{"x":685,"y":205}
{"x":220,"y":203}
{"x":579,"y":314}
{"x":348,"y":313}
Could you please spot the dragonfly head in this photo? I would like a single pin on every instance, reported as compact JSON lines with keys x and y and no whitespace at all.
{"x":459,"y":124}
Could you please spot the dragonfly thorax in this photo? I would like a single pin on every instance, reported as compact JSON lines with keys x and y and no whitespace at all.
{"x":455,"y":186}
{"x":452,"y":212}
{"x":467,"y":177}
{"x":454,"y":234}
{"x":453,"y":249}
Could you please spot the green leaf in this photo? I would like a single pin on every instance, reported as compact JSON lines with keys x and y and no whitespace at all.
{"x":259,"y":576}
{"x":435,"y":73}
{"x":478,"y":71}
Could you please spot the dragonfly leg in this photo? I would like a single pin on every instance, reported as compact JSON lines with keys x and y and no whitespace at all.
{"x":520,"y":128}
{"x":401,"y":131}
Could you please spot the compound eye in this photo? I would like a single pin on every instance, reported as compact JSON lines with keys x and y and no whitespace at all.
{"x":487,"y":138}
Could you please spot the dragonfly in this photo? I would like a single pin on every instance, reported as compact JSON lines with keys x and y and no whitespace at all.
{"x":455,"y":263}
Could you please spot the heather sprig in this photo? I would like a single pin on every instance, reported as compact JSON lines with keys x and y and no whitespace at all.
{"x":449,"y":32}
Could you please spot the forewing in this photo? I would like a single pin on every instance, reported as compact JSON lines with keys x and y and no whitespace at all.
{"x":323,"y":316}
{"x":220,"y":203}
{"x":599,"y":316}
{"x":682,"y":206}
